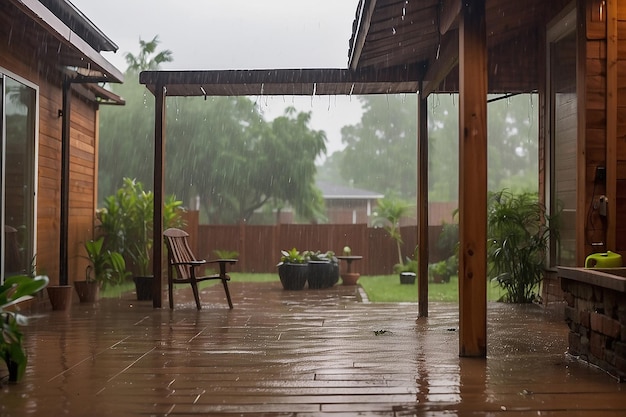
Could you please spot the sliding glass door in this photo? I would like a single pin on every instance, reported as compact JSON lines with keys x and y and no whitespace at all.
{"x":18,"y":104}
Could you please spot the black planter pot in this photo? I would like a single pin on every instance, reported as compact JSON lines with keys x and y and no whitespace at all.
{"x":143,"y":287}
{"x":407,"y":278}
{"x":322,"y":274}
{"x":293,"y":276}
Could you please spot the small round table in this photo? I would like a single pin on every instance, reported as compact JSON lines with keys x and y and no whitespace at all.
{"x":349,"y":277}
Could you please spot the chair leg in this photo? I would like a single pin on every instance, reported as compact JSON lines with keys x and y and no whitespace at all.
{"x":230,"y":303}
{"x":194,"y":288}
{"x":170,"y":293}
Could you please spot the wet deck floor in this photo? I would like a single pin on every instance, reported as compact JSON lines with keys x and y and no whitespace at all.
{"x":313,"y":352}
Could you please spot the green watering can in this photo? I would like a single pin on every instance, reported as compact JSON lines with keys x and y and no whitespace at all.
{"x":606,"y":259}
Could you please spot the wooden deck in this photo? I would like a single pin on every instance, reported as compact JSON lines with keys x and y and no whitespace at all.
{"x":306,"y":353}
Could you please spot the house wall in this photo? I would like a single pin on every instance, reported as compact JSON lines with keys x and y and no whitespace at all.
{"x":20,"y":53}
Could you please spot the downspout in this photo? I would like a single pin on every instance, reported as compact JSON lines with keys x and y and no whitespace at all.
{"x":65,"y":179}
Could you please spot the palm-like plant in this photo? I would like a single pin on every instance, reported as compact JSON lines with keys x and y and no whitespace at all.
{"x":388,"y":213}
{"x":519,"y":239}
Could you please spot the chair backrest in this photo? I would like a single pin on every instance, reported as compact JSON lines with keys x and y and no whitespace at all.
{"x":178,"y":250}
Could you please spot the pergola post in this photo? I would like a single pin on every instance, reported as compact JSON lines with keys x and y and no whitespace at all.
{"x":422,"y":202}
{"x":159,"y":164}
{"x":473,"y":180}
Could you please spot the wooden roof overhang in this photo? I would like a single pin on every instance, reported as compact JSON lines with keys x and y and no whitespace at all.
{"x":56,"y":42}
{"x":287,"y":82}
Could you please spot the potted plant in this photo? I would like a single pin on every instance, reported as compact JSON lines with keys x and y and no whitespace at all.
{"x":438,"y":272}
{"x":292,"y":269}
{"x":388,"y":213}
{"x":14,"y":290}
{"x":323,"y":269}
{"x":407,"y":271}
{"x":107,"y":267}
{"x":126,"y":222}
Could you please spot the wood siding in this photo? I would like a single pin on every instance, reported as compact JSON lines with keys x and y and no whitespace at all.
{"x":20,"y":55}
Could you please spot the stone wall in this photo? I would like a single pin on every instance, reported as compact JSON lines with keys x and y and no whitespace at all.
{"x":597,"y":321}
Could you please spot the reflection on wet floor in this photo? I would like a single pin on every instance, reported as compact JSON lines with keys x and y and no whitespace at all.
{"x":301,"y":353}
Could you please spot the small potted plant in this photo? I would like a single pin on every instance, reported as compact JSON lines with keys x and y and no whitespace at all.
{"x":15,"y":290}
{"x":407,"y":271}
{"x":292,"y":269}
{"x":438,"y":272}
{"x":105,"y":267}
{"x":323,"y":269}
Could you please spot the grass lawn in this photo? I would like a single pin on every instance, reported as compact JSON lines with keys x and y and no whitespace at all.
{"x":379,"y":288}
{"x":387,"y":288}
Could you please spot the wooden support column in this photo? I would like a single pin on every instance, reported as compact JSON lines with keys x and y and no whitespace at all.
{"x":422,"y":202}
{"x":159,"y":187}
{"x":611,"y":121}
{"x":473,"y":180}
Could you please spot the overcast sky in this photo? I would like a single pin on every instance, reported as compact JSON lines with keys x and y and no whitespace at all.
{"x":241,"y":34}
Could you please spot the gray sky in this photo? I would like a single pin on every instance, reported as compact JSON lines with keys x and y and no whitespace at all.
{"x":241,"y":34}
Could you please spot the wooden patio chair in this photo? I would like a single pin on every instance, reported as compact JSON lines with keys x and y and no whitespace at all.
{"x":182,"y":264}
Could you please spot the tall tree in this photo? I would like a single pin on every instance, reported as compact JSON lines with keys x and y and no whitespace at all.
{"x":148,"y":58}
{"x":380,"y":153}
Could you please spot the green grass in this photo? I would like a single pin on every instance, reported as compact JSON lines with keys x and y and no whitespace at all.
{"x":379,"y":288}
{"x":387,"y":288}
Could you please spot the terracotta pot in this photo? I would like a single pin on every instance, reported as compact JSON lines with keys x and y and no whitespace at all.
{"x":60,"y":297}
{"x":350,"y":278}
{"x":143,"y":287}
{"x":88,"y":291}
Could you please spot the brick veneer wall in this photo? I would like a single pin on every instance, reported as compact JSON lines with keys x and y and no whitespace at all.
{"x":597,"y":321}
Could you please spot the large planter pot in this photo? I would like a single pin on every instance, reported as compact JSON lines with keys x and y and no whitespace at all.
{"x":350,"y":278}
{"x":60,"y":297}
{"x":88,"y":291}
{"x":143,"y":287}
{"x":322,"y":274}
{"x":293,"y":276}
{"x":407,"y":277}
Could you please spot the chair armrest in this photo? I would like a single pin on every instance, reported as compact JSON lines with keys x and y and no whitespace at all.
{"x":191,"y":263}
{"x":226,"y":261}
{"x":223,"y":263}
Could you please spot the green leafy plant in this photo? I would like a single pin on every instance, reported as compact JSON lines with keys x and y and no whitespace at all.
{"x":107,"y":266}
{"x":292,"y":256}
{"x":126,"y":222}
{"x":519,"y":237}
{"x":16,"y":289}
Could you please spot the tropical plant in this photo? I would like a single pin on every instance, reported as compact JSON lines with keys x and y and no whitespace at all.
{"x":388,"y":213}
{"x":107,"y":266}
{"x":292,"y":256}
{"x":14,"y":290}
{"x":126,"y":222}
{"x":519,"y":238}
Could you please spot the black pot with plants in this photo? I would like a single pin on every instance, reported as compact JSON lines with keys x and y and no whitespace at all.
{"x":293,"y":270}
{"x":126,"y":222}
{"x":323,"y":271}
{"x":106,"y":267}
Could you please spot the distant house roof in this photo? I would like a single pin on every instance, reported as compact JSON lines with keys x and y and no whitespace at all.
{"x":341,"y":192}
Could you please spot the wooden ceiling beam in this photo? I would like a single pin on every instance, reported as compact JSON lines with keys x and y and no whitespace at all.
{"x":441,"y":65}
{"x":449,"y":15}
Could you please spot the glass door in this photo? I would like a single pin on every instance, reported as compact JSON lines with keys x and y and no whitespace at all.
{"x":562,"y":136}
{"x":19,"y":119}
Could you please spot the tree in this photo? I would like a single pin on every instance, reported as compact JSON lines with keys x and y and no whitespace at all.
{"x":237,"y":163}
{"x":147,"y":59}
{"x":381,"y":150}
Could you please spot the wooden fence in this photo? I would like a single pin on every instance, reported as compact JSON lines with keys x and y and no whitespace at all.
{"x":259,"y":246}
